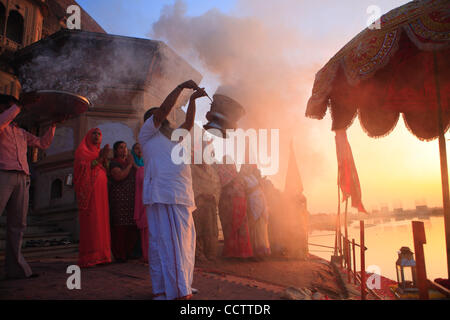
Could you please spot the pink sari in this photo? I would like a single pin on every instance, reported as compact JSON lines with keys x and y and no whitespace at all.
{"x":140,"y":215}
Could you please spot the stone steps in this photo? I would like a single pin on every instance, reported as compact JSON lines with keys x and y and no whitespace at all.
{"x":44,"y":235}
{"x":41,"y":239}
{"x":54,"y":251}
{"x":32,"y":229}
{"x":39,"y":233}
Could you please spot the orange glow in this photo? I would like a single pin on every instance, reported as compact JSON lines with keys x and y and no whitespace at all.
{"x":270,"y":68}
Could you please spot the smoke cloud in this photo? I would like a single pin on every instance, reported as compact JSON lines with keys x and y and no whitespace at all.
{"x":82,"y":67}
{"x":263,"y":64}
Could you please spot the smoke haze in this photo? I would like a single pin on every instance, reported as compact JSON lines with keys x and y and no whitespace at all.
{"x":267,"y":54}
{"x":258,"y":64}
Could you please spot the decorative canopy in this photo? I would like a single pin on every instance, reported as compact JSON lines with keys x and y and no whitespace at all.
{"x":391,"y":70}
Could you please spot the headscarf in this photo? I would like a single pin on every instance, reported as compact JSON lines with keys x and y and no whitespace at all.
{"x":139,"y":161}
{"x":250,"y":169}
{"x":83,"y":173}
{"x":226,"y":171}
{"x":255,"y":195}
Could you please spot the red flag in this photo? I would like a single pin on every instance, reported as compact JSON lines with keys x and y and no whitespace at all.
{"x":293,"y":184}
{"x":348,"y":176}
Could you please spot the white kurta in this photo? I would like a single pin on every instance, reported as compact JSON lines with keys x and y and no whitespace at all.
{"x":169,"y":200}
{"x":164,"y":181}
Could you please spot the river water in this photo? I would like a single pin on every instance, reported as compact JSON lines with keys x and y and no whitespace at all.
{"x":384,"y":239}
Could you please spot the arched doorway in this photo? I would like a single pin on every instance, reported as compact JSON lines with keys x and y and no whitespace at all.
{"x":14,"y":29}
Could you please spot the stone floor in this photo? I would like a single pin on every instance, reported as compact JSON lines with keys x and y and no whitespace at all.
{"x":124,"y":281}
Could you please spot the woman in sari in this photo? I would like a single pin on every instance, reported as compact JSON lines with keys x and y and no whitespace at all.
{"x":124,"y":233}
{"x":140,"y":215}
{"x":91,"y":188}
{"x":233,"y":213}
{"x":206,"y":185}
{"x":258,"y":213}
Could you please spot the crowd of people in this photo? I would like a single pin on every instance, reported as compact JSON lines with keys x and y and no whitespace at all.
{"x":170,"y":210}
{"x":139,"y":199}
{"x":108,"y":196}
{"x":239,"y":200}
{"x":140,"y":204}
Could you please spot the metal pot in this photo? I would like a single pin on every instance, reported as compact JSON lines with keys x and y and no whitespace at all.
{"x":224,"y":114}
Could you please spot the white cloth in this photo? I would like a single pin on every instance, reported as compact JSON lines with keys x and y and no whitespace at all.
{"x":171,"y":249}
{"x":164,"y":181}
{"x":256,"y":198}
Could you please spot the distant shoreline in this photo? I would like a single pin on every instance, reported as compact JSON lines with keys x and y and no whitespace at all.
{"x":327,"y":222}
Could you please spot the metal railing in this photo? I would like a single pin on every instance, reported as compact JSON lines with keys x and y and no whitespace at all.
{"x":346,"y":250}
{"x":348,"y":261}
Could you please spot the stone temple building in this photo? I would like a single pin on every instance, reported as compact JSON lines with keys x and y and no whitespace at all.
{"x":23,"y":22}
{"x":121,"y":76}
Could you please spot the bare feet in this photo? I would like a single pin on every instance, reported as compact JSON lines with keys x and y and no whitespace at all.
{"x":159,"y":296}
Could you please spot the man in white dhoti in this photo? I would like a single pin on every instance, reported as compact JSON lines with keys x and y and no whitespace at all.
{"x":169,"y":200}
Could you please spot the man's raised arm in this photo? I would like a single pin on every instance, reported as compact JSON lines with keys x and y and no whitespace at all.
{"x":41,"y":142}
{"x":190,"y":113}
{"x":163,"y":111}
{"x":8,"y":115}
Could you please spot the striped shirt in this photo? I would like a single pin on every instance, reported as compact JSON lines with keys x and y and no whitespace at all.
{"x":14,"y":142}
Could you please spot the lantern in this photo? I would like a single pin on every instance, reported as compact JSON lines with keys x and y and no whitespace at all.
{"x":406,"y":270}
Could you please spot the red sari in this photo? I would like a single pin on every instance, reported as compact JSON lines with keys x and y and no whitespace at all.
{"x":233,"y":214}
{"x":91,"y":188}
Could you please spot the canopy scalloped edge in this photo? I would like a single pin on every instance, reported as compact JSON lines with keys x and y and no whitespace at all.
{"x":425,"y":23}
{"x":384,"y":134}
{"x":389,"y":129}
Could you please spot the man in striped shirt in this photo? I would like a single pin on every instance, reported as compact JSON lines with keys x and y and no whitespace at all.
{"x":15,"y":182}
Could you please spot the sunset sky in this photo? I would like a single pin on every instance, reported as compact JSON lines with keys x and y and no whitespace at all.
{"x":284,"y":43}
